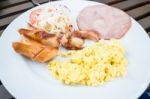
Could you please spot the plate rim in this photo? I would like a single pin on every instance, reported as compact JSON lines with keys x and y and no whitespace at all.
{"x":141,"y":90}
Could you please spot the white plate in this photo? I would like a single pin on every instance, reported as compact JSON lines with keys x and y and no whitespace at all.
{"x":30,"y":80}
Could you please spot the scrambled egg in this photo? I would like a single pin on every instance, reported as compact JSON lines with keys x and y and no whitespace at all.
{"x":91,"y":66}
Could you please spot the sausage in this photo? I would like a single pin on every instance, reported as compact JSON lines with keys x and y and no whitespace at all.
{"x":40,"y":36}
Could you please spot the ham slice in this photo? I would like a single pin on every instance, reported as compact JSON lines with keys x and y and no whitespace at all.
{"x":107,"y":21}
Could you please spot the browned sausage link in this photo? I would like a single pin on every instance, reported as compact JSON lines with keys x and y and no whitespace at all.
{"x":86,"y":35}
{"x":41,"y":36}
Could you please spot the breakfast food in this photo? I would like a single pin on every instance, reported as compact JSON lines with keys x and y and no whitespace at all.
{"x":92,"y":65}
{"x":40,"y":36}
{"x":86,"y":35}
{"x":71,"y":42}
{"x":107,"y":21}
{"x":51,"y":27}
{"x":52,"y":19}
{"x":46,"y":54}
{"x":41,"y":46}
{"x":35,"y":50}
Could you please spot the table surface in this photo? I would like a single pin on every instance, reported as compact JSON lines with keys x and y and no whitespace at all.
{"x":138,"y":9}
